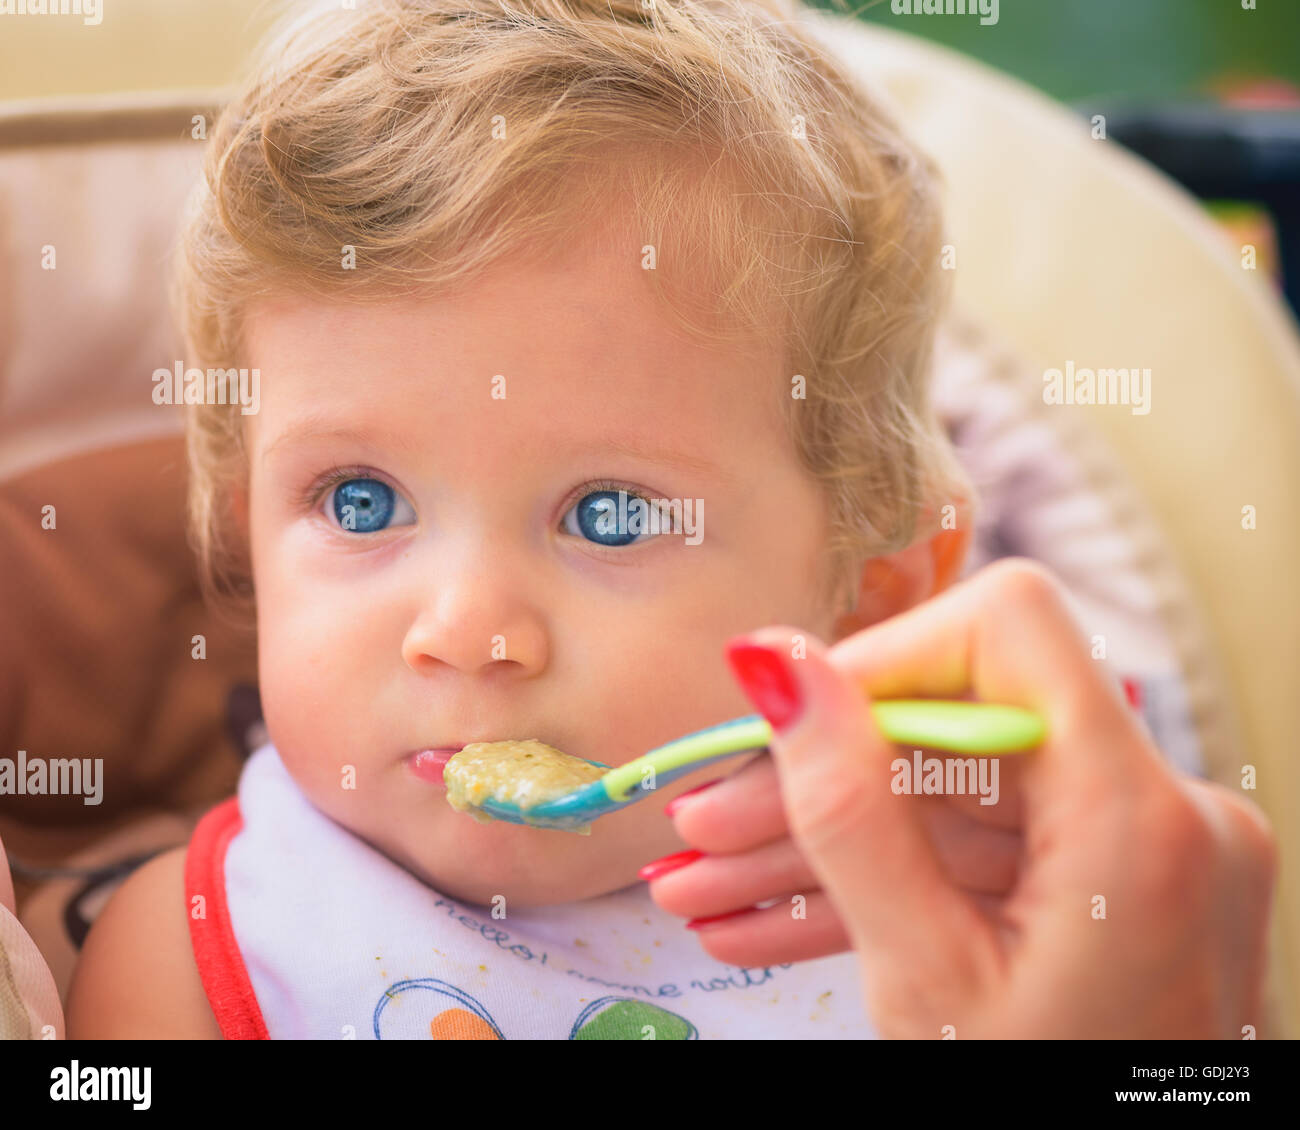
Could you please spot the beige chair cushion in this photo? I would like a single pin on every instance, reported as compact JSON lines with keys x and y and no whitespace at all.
{"x":102,"y":608}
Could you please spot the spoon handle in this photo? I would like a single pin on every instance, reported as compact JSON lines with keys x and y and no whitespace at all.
{"x":973,"y":728}
{"x":963,"y":727}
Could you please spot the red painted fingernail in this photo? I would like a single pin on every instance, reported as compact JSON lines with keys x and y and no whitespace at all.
{"x":671,"y":806}
{"x":668,"y":863}
{"x":696,"y":923}
{"x":768,"y":682}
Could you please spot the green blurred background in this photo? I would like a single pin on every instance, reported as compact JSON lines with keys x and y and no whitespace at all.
{"x":1072,"y":49}
{"x":1079,"y":49}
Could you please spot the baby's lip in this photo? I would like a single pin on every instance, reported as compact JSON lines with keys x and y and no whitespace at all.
{"x":428,"y":764}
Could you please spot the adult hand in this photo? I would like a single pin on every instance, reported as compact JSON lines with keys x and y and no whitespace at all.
{"x":1104,"y":895}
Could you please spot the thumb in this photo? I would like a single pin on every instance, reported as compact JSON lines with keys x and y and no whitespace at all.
{"x":865,"y":843}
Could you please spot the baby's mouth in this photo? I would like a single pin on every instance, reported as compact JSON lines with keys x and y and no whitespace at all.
{"x":428,"y":764}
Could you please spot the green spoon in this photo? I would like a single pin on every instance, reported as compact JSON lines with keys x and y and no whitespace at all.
{"x":973,"y":728}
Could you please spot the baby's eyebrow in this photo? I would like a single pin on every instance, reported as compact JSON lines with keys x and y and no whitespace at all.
{"x":652,"y":452}
{"x":311,"y":428}
{"x":315,"y":428}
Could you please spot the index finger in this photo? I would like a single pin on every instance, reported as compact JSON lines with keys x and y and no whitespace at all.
{"x":1003,"y":635}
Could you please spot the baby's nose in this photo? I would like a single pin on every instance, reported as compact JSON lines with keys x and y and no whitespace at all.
{"x":474,"y":625}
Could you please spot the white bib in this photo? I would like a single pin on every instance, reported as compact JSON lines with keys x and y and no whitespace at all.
{"x":339,"y":942}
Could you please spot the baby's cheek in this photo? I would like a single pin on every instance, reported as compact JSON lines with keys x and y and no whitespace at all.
{"x":282,"y":688}
{"x":303,"y":727}
{"x":336,"y":786}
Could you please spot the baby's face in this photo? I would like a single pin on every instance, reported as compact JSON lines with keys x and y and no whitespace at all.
{"x":428,"y":483}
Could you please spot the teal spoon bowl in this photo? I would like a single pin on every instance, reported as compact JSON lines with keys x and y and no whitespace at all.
{"x":978,"y":729}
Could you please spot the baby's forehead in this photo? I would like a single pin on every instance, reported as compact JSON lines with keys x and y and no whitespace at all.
{"x":553,"y":348}
{"x":492,"y":351}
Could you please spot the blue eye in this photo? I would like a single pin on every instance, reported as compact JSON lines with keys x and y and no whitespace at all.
{"x":599,"y":517}
{"x":367,"y":506}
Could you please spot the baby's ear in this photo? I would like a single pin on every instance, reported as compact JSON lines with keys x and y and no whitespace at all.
{"x":897,"y":581}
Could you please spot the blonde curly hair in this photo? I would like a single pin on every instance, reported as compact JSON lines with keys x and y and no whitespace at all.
{"x":434,"y":137}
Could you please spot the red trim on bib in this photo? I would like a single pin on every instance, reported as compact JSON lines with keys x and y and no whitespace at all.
{"x":216,"y":953}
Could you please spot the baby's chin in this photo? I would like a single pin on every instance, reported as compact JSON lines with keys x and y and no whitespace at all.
{"x":476,"y":863}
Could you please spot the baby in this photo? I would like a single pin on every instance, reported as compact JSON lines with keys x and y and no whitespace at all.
{"x":511,"y":272}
